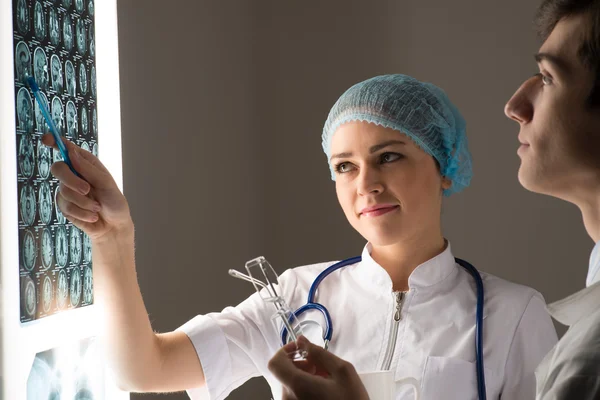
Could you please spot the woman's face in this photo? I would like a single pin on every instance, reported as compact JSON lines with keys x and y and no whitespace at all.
{"x":390,"y":189}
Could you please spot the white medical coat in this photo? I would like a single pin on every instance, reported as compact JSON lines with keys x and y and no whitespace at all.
{"x":435,"y":340}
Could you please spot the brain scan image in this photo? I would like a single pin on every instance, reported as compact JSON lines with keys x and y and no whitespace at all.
{"x":70,"y":78}
{"x":88,"y":285}
{"x":68,"y":32}
{"x":56,"y":74}
{"x":26,"y":156}
{"x":27,"y":204}
{"x":75,"y":287}
{"x":46,"y":248}
{"x":61,"y":246}
{"x":85,"y":125}
{"x":92,"y":41}
{"x":75,"y":245}
{"x":23,"y":24}
{"x":44,"y":159}
{"x":53,"y":42}
{"x":58,"y":114}
{"x":93,"y":81}
{"x":30,"y":297}
{"x":62,"y":289}
{"x":39,"y":21}
{"x":56,"y":156}
{"x":71,"y":120}
{"x":25,"y":110}
{"x":79,"y":5}
{"x":47,"y":294}
{"x":59,"y":215}
{"x":83,"y":84}
{"x":81,"y":36}
{"x":40,"y":68}
{"x":94,"y":122}
{"x":22,"y":61}
{"x":29,"y":250}
{"x":40,"y":121}
{"x":45,"y":202}
{"x":54,"y":27}
{"x":87,"y":249}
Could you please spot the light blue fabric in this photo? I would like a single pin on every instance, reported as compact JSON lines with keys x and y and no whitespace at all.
{"x":420,"y":110}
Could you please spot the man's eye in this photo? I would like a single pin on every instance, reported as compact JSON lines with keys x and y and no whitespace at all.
{"x":546,"y":80}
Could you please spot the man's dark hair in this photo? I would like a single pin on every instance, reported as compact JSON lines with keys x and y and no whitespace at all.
{"x":551,"y":12}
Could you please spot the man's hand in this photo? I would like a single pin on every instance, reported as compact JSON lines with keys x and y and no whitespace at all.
{"x":321,"y":376}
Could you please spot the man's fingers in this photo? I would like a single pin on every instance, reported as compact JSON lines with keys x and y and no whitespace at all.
{"x":79,"y":200}
{"x":48,"y":140}
{"x":288,"y":395}
{"x":306,"y":366}
{"x":61,"y":171}
{"x":86,"y":155}
{"x":288,"y":371}
{"x":90,"y":168}
{"x":324,"y":360}
{"x":281,"y":365}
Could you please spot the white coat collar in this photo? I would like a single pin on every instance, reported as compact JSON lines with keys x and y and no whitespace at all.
{"x":577,"y":306}
{"x":581,"y":304}
{"x":594,"y":266}
{"x":429,"y":273}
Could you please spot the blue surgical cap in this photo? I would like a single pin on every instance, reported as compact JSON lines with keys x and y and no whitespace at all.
{"x":419,"y":110}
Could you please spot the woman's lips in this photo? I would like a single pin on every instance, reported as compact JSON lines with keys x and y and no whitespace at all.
{"x":377,"y":210}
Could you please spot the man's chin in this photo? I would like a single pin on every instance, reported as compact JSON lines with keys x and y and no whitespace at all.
{"x":525,"y":179}
{"x":532,"y":181}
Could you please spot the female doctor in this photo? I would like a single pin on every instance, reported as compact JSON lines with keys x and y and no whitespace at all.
{"x":395,"y":147}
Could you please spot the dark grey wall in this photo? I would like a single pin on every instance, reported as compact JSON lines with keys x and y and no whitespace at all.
{"x":222,"y":109}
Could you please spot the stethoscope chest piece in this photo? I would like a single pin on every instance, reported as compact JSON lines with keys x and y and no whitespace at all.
{"x":313,"y":331}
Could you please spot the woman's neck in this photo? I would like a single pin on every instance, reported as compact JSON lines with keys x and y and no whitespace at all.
{"x":401,"y":259}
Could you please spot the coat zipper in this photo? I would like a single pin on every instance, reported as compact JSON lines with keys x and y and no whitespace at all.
{"x":389,"y":353}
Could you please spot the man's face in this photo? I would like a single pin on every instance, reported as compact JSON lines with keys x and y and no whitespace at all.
{"x":559,"y":132}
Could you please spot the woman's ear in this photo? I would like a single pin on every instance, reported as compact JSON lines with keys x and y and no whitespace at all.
{"x":446,"y":183}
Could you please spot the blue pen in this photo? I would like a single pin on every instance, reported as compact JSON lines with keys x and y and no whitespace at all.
{"x":61,"y":146}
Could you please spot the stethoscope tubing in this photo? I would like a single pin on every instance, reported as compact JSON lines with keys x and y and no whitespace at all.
{"x":312,"y":305}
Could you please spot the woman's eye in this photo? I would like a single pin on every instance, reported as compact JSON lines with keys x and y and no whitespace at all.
{"x":390,"y":157}
{"x":343,"y":167}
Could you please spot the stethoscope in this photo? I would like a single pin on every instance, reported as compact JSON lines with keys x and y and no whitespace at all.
{"x":312,"y":305}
